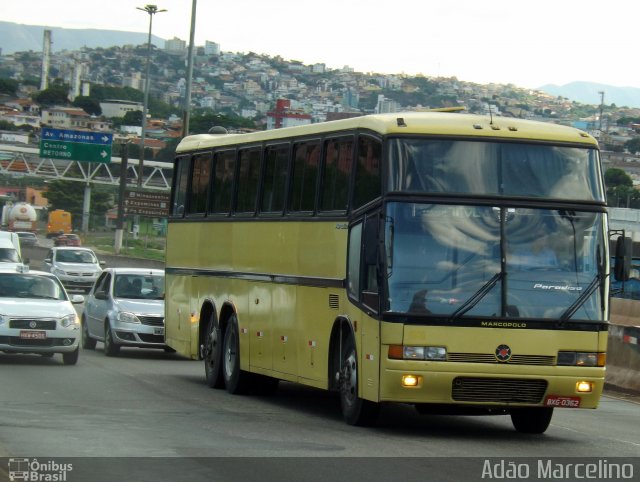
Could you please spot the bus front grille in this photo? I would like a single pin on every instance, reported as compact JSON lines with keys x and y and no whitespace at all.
{"x":490,"y":358}
{"x":502,"y":390}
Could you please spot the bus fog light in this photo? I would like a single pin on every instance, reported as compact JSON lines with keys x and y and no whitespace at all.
{"x":413,"y":353}
{"x":435,"y":353}
{"x":584,"y":387}
{"x":410,"y":380}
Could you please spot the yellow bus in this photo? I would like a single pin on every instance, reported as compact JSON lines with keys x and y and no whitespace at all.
{"x":455,"y":262}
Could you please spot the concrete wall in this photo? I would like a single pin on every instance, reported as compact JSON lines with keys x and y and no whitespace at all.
{"x":623,"y":350}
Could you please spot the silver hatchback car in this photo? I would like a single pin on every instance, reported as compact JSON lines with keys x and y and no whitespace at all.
{"x":125,"y":308}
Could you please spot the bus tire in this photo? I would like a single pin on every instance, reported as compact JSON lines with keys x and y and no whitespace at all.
{"x":531,"y":420}
{"x":236,"y":381}
{"x":213,"y":354}
{"x":355,"y":410}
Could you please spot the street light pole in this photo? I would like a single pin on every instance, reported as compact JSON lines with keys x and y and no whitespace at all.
{"x":187,"y":95}
{"x":151,"y":10}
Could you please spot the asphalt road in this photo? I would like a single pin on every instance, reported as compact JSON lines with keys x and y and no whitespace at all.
{"x":147,"y":403}
{"x":148,"y":415}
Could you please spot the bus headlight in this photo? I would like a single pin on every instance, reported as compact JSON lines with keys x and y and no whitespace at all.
{"x":429,"y":353}
{"x":581,"y":359}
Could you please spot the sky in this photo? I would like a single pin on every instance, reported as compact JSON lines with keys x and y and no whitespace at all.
{"x":523,"y":42}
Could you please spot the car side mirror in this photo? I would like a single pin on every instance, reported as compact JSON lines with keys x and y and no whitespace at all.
{"x":100,"y":295}
{"x":77,"y":299}
{"x":102,"y":264}
{"x":47,"y":260}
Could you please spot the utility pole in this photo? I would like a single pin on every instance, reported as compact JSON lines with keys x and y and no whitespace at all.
{"x":151,"y":10}
{"x":187,"y":94}
{"x":601,"y":107}
{"x":124,"y":166}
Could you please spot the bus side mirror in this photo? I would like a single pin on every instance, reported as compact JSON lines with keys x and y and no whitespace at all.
{"x":371,"y":241}
{"x":622,"y":266}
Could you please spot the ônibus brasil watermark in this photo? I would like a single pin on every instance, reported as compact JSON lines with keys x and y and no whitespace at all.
{"x":33,"y":470}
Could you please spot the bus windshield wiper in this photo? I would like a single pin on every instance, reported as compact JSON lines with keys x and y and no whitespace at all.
{"x":584,"y":296}
{"x":476,"y":297}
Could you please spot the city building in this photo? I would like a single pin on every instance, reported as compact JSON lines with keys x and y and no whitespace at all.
{"x":118,"y":108}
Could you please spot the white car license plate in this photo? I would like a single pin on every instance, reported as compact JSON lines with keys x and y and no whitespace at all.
{"x":158,"y":331}
{"x":33,"y":335}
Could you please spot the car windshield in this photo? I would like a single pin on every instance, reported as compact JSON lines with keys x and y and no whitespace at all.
{"x":75,"y":256}
{"x":455,"y":261}
{"x":9,"y":255}
{"x":139,"y":286}
{"x":19,"y":285}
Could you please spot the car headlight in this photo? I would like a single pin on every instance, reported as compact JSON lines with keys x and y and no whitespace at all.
{"x":127,"y":317}
{"x":58,"y":272}
{"x":4,"y":319}
{"x":70,"y":321}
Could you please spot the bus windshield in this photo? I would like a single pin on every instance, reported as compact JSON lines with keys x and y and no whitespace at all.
{"x":494,"y":168}
{"x":462,"y":260}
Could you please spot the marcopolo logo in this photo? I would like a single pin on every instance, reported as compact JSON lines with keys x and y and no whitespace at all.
{"x":38,"y":471}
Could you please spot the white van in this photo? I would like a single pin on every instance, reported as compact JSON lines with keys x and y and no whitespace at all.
{"x":10,"y":254}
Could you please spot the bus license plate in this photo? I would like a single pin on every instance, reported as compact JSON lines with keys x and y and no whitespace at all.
{"x":158,"y":331}
{"x":562,"y":402}
{"x":33,"y":335}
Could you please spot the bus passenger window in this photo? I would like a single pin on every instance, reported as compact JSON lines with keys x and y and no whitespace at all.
{"x":367,"y":185}
{"x":181,"y":182}
{"x":275,"y":179}
{"x":248,"y":180}
{"x":337,"y":167}
{"x":200,"y":178}
{"x":306,"y":158}
{"x":222,"y":186}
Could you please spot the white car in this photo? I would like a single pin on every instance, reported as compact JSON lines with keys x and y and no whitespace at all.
{"x":77,"y":268}
{"x":37,"y":316}
{"x":125,"y":308}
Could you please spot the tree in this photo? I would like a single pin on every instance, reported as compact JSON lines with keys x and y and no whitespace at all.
{"x":633,"y":145}
{"x":132,"y":118}
{"x":8,"y":86}
{"x":54,"y":95}
{"x":69,"y":196}
{"x":89,"y":105}
{"x":615,"y":177}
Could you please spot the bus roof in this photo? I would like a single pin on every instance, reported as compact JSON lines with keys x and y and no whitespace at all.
{"x":427,"y":123}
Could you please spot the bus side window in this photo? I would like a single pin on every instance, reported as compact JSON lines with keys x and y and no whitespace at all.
{"x":200,"y":179}
{"x":222,"y":185}
{"x":275,"y":179}
{"x":336,"y":171}
{"x":353,"y":263}
{"x":306,"y":158}
{"x":248,"y":180}
{"x":181,"y":183}
{"x":368,"y":184}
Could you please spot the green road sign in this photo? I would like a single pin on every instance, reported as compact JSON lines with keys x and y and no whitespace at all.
{"x":73,"y":151}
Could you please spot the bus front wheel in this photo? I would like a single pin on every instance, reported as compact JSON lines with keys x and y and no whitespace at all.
{"x":235,"y":380}
{"x":355,"y":410}
{"x":531,"y":420}
{"x":213,"y":354}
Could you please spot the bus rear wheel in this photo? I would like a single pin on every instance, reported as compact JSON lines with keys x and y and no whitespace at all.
{"x":235,"y":380}
{"x":355,"y":410}
{"x":213,"y":354}
{"x":531,"y":420}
